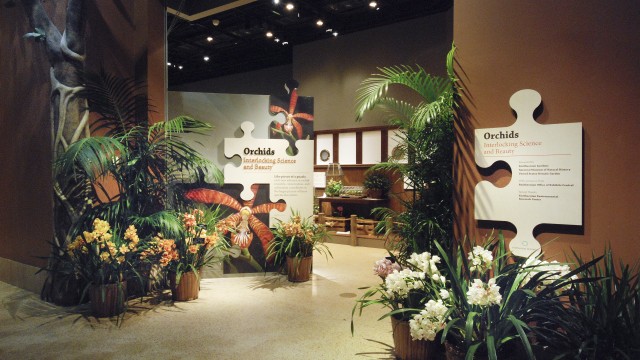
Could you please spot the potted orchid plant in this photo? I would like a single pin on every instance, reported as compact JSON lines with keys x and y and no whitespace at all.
{"x":492,"y":298}
{"x":199,"y":242}
{"x":409,"y":289}
{"x":294,"y":243}
{"x":103,"y":258}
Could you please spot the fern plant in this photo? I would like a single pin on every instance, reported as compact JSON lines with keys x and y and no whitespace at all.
{"x":424,"y":156}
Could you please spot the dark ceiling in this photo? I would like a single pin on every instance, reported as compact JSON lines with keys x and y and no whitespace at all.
{"x":238,"y":30}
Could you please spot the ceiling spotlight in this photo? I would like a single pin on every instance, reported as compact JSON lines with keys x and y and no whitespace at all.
{"x":180,"y":67}
{"x":215,"y":22}
{"x":335,"y":33}
{"x":209,"y":38}
{"x":373,"y":4}
{"x":276,"y":40}
{"x":285,"y":43}
{"x":168,"y":64}
{"x":328,"y":30}
{"x":276,"y":2}
{"x":269,"y":34}
{"x":289,"y":6}
{"x":206,"y":58}
{"x":319,"y":22}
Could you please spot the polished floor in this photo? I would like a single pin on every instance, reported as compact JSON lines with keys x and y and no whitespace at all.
{"x":251,"y":317}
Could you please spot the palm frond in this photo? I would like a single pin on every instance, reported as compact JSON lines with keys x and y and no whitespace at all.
{"x":117,"y":101}
{"x":373,"y":89}
{"x":94,"y":156}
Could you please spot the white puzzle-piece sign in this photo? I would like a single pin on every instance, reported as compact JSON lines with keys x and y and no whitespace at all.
{"x":265,"y":161}
{"x":546,"y":166}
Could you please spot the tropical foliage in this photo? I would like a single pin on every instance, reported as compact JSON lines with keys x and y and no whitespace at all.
{"x":127,"y":172}
{"x":424,"y":156}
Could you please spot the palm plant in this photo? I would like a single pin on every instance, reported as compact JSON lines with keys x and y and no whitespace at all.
{"x":424,"y":157}
{"x":127,"y":172}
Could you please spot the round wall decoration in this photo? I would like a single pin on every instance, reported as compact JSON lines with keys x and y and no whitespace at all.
{"x":324,"y":155}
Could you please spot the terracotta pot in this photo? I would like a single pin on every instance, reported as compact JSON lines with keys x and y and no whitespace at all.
{"x":187,"y":289}
{"x":409,"y":349}
{"x":299,"y":269}
{"x":108,"y":300}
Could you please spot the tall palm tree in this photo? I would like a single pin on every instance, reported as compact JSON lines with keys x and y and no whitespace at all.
{"x":126,"y":173}
{"x":424,"y":157}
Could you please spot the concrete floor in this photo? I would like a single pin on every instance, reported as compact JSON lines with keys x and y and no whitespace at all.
{"x":251,"y":317}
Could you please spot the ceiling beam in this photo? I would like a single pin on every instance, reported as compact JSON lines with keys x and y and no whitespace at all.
{"x":212,"y":11}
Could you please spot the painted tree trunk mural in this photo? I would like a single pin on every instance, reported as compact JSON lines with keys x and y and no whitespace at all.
{"x":69,"y":112}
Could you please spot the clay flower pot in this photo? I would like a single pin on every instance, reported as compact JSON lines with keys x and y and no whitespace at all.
{"x":299,"y":269}
{"x":187,"y":289}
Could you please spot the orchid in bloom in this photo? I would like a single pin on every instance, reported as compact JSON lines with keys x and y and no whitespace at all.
{"x":399,"y":283}
{"x":553,"y":271}
{"x":484,"y":294}
{"x":430,"y":320}
{"x":384,"y":267}
{"x":480,"y":259}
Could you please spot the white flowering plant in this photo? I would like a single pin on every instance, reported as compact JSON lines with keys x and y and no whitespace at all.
{"x":410,"y":290}
{"x":491,"y":296}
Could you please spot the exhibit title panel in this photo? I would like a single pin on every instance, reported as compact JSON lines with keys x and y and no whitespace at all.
{"x":546,"y":173}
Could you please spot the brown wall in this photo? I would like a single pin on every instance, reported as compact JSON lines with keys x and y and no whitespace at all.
{"x":25,"y":152}
{"x":582,"y":57}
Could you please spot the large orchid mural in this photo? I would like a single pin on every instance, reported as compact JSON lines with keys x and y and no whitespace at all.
{"x":298,"y":116}
{"x":242,"y":225}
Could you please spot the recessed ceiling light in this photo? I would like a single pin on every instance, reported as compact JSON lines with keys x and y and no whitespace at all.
{"x":373,"y":4}
{"x":289,"y":6}
{"x":276,"y":40}
{"x":319,"y":22}
{"x":209,"y":38}
{"x":206,"y":58}
{"x":285,"y":43}
{"x":168,"y":64}
{"x":269,"y":34}
{"x":180,"y":67}
{"x":276,"y":2}
{"x":335,"y":33}
{"x":328,"y":30}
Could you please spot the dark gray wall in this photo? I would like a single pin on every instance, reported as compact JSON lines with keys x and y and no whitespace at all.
{"x":331,"y":70}
{"x":260,"y":82}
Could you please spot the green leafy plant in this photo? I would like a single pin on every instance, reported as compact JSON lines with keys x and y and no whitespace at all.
{"x":424,"y":156}
{"x":127,"y":173}
{"x":297,"y":238}
{"x":377,"y":180}
{"x":333,"y":188}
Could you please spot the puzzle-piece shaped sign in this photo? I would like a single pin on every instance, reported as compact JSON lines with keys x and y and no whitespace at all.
{"x":265,"y":161}
{"x":546,"y":173}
